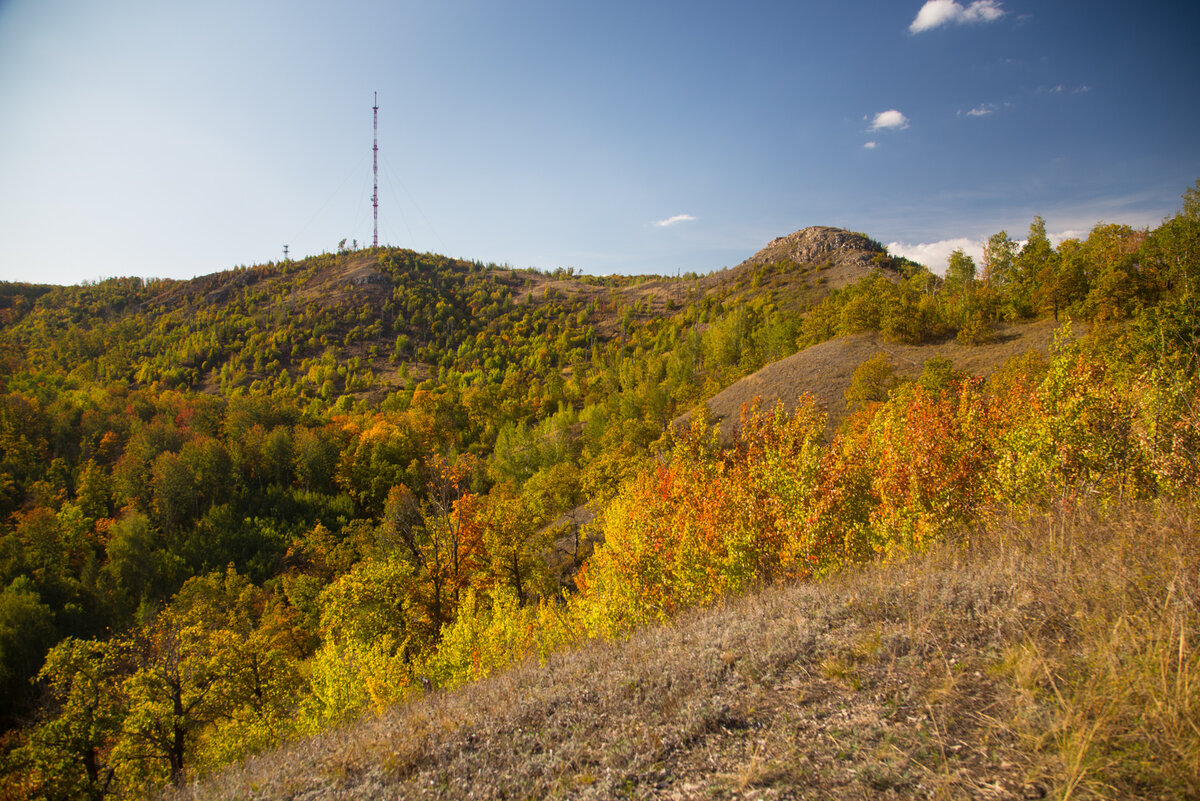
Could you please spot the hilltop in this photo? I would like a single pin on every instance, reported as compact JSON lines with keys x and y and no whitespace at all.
{"x":847,"y":255}
{"x":261,"y":321}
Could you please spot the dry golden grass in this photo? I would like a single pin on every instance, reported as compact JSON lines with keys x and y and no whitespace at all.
{"x":824,"y":371}
{"x":1053,"y":656}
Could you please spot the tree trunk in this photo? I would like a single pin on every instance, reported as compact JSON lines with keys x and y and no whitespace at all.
{"x":177,"y":739}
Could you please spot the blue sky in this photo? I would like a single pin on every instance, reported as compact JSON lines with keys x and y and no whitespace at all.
{"x":172,"y":139}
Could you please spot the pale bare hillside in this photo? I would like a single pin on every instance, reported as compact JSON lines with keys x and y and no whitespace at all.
{"x":824,"y":370}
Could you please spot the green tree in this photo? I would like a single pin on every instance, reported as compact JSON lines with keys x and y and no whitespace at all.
{"x":440,"y":534}
{"x":1065,"y":285}
{"x":201,"y":664}
{"x":370,"y":629}
{"x":176,"y":497}
{"x":172,"y":695}
{"x":93,"y":491}
{"x":938,"y":373}
{"x":960,"y":271}
{"x":999,"y":262}
{"x":1035,"y":261}
{"x":70,"y":751}
{"x":871,"y":382}
{"x":958,"y":290}
{"x":278,"y":456}
{"x":23,"y":447}
{"x":1118,"y":284}
{"x":26,"y":631}
{"x":211,"y":468}
{"x":315,"y":454}
{"x":260,"y":659}
{"x":138,"y":571}
{"x":515,"y":541}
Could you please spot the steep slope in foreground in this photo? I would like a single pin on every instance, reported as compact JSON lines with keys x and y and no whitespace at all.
{"x":1051,"y":657}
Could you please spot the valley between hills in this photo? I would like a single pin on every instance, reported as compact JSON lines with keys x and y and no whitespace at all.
{"x":826,"y":524}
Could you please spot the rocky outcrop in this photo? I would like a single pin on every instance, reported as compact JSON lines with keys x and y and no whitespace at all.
{"x":820,"y":244}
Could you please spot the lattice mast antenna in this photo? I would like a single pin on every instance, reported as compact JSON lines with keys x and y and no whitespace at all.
{"x":375,"y":172}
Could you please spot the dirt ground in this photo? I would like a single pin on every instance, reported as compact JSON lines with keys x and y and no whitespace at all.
{"x":824,"y":370}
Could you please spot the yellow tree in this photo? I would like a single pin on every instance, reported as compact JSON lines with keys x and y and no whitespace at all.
{"x":440,"y":534}
{"x":371,"y":634}
{"x":515,"y":542}
{"x":871,"y":382}
{"x":202,"y":664}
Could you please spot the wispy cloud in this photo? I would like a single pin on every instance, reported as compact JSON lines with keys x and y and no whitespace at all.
{"x":678,"y":218}
{"x":870,"y":145}
{"x":936,"y":13}
{"x":889,"y":119}
{"x":1060,"y":89}
{"x":982,"y":111}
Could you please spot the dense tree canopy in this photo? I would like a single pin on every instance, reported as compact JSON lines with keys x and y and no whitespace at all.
{"x":244,"y":507}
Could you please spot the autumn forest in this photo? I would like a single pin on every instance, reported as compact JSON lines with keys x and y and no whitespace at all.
{"x":245,"y":508}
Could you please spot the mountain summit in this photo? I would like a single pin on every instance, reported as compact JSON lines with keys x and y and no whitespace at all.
{"x":800,"y":269}
{"x":819,"y":244}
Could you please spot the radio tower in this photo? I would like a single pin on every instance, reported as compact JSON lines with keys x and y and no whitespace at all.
{"x":375,"y":172}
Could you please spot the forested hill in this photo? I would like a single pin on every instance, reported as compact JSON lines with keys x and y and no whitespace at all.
{"x":259,"y":503}
{"x":386,"y":307}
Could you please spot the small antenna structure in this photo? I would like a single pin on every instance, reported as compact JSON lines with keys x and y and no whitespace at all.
{"x":375,"y":171}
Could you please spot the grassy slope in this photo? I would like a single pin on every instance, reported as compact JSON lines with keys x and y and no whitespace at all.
{"x":825,"y":370}
{"x":1051,"y":657}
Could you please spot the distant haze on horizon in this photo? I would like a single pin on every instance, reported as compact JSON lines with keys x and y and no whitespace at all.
{"x":169,"y":140}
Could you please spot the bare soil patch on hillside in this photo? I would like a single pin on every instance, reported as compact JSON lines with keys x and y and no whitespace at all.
{"x":824,"y":370}
{"x":358,"y":277}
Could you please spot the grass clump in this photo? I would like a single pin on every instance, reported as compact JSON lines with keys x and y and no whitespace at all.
{"x":1051,"y":656}
{"x":1105,"y":694}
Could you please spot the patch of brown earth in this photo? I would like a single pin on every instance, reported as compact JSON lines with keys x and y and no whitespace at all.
{"x":825,"y":370}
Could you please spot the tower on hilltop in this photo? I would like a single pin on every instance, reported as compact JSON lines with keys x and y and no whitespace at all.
{"x":375,"y":171}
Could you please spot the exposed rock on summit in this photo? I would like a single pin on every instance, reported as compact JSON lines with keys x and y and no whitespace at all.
{"x":813,"y":262}
{"x":819,"y":244}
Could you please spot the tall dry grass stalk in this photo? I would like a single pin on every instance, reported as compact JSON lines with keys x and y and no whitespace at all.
{"x":1047,"y":654}
{"x":1106,"y":679}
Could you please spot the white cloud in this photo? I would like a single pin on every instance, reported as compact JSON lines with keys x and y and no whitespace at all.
{"x":936,"y":13}
{"x":1060,"y":89}
{"x":870,"y":145}
{"x":1056,"y":238}
{"x":935,"y":255}
{"x":678,"y":218}
{"x":889,"y":119}
{"x":981,"y":111}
